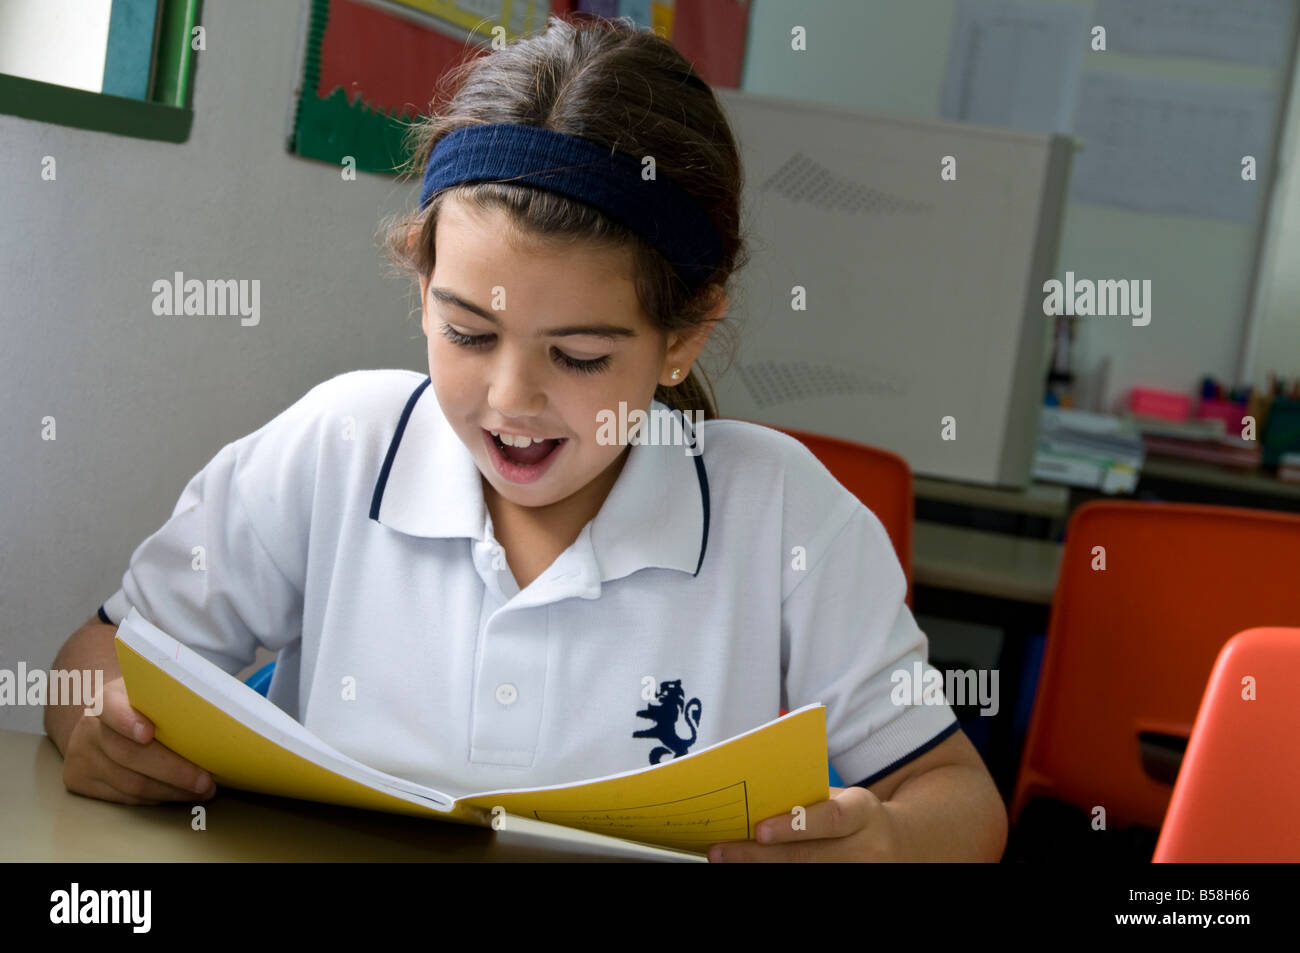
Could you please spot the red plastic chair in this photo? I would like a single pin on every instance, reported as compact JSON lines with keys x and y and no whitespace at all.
{"x":1129,"y":648}
{"x":1236,"y":795}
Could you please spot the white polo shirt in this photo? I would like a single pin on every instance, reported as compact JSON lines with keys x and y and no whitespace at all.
{"x":350,"y":534}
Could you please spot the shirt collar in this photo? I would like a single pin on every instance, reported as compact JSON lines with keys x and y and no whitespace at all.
{"x":656,"y":514}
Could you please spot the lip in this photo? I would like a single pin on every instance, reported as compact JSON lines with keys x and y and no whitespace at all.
{"x":513,"y":472}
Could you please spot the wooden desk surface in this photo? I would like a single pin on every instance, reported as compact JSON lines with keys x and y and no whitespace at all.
{"x":1211,"y":474}
{"x":40,"y":820}
{"x":1051,"y":500}
{"x":985,"y":563}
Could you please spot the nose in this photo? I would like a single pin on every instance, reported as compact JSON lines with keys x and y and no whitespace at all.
{"x":513,"y":389}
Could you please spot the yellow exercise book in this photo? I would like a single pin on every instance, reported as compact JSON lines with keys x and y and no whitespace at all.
{"x":244,"y":741}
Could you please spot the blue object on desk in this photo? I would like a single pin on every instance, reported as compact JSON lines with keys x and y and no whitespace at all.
{"x":260,"y":682}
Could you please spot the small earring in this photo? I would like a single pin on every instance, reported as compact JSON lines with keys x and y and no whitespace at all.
{"x":677,"y":372}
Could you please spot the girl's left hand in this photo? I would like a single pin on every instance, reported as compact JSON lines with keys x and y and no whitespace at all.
{"x":853,"y":825}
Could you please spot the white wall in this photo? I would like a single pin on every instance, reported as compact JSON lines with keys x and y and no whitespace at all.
{"x":1277,"y":311}
{"x":890,"y":55}
{"x":142,"y":402}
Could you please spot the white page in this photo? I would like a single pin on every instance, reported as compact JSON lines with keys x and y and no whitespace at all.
{"x":1241,"y":31}
{"x":249,"y":708}
{"x":1172,"y":148}
{"x":1013,"y":63}
{"x":529,"y":832}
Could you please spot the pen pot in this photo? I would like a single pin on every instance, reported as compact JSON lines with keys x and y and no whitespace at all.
{"x":1281,"y":430}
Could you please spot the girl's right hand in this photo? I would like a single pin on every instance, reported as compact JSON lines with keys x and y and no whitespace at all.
{"x":107,"y":759}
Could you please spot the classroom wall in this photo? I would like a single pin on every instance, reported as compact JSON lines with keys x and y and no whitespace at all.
{"x":890,"y":56}
{"x":1276,"y":341}
{"x":142,"y":402}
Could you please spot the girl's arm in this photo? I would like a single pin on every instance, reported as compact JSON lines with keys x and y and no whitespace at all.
{"x":945,"y":806}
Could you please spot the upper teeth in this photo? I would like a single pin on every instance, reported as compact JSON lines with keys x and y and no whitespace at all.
{"x":514,"y":441}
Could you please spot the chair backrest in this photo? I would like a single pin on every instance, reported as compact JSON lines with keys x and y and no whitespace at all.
{"x":1147,"y":596}
{"x":1236,"y":795}
{"x":880,"y":479}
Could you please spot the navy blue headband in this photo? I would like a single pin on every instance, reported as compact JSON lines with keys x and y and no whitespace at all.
{"x":656,"y":209}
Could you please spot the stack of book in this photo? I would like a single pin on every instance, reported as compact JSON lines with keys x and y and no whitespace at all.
{"x":1288,"y":468}
{"x":1080,"y":448}
{"x":1203,"y":440}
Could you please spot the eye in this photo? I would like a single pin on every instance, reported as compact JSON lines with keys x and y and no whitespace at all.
{"x":593,"y":366}
{"x":585,"y":367}
{"x":464,"y":340}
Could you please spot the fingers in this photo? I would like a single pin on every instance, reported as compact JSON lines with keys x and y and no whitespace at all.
{"x":101,"y":777}
{"x":139,"y":785}
{"x":96,"y":788}
{"x":121,"y":717}
{"x":105,"y":762}
{"x":845,"y":812}
{"x":169,"y":776}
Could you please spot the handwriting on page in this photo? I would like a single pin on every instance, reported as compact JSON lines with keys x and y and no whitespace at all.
{"x":692,"y":823}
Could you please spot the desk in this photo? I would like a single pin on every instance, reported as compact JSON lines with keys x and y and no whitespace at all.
{"x":1195,"y":481}
{"x":983,"y":563}
{"x":1051,"y":500}
{"x":40,"y":820}
{"x":1188,"y":481}
{"x":1038,"y":510}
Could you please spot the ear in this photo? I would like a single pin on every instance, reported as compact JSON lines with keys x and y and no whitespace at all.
{"x":684,"y":346}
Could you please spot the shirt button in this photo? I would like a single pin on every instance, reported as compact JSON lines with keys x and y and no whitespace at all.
{"x":507,"y":693}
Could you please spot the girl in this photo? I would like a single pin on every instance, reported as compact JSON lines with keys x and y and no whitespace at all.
{"x":517,"y":593}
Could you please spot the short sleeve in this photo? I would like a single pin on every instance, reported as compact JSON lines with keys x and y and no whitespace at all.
{"x":214,"y":576}
{"x":845,"y":633}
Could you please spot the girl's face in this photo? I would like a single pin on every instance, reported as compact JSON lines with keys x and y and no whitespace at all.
{"x":561,"y":338}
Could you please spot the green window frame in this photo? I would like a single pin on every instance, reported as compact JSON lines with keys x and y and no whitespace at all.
{"x":166,"y":116}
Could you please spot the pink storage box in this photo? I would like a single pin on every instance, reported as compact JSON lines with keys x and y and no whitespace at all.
{"x":1164,"y":404}
{"x":1227,"y":411}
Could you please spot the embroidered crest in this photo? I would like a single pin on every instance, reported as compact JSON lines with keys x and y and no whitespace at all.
{"x":669,"y":707}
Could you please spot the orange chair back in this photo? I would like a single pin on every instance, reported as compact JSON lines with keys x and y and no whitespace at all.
{"x":1130,"y":645}
{"x":880,"y":479}
{"x":1236,"y":795}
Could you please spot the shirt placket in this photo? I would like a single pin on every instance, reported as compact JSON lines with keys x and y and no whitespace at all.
{"x":510,"y":674}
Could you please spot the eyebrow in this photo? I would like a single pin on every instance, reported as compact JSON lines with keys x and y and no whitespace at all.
{"x":610,"y":331}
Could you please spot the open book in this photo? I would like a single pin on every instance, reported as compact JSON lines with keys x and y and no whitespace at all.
{"x":244,"y":741}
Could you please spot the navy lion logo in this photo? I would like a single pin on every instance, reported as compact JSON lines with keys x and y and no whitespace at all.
{"x":670,"y":704}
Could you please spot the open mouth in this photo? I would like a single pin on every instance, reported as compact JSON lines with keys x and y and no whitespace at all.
{"x":522,"y":464}
{"x":527,"y":456}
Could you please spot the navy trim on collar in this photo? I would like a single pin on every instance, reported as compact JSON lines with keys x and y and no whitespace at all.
{"x":104,"y":615}
{"x":704,"y":498}
{"x":402,"y":485}
{"x":392,"y":448}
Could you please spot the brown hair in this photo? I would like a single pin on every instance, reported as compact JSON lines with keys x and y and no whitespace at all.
{"x":615,"y":84}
